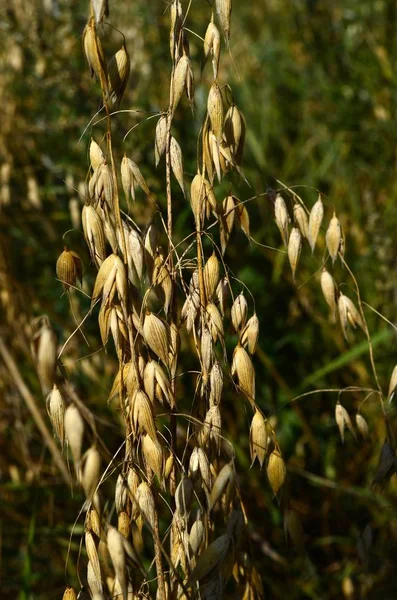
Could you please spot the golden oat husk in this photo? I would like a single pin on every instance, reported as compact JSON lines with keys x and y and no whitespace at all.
{"x":293,"y":530}
{"x":94,"y":522}
{"x":160,"y":139}
{"x":105,"y":278}
{"x":250,"y":334}
{"x":333,"y":238}
{"x":69,"y":268}
{"x":215,"y":155}
{"x":197,"y":537}
{"x":209,"y":167}
{"x":242,"y":367}
{"x":392,"y":384}
{"x":184,"y":496}
{"x":94,"y":584}
{"x":225,"y":478}
{"x":216,"y":384}
{"x":127,"y":180}
{"x":169,"y":465}
{"x":96,"y":155}
{"x":69,"y":594}
{"x":282,"y":218}
{"x":143,"y":415}
{"x":212,"y":45}
{"x":93,"y":557}
{"x":44,"y":349}
{"x":276,"y":471}
{"x":101,"y":188}
{"x":115,"y":544}
{"x":222,"y":294}
{"x":94,"y":52}
{"x":137,"y":176}
{"x":215,"y":111}
{"x":100,"y":9}
{"x":124,"y":524}
{"x":224,"y":13}
{"x":342,"y":419}
{"x":121,"y":493}
{"x":239,"y":312}
{"x":197,"y":196}
{"x":118,"y":74}
{"x":91,"y":472}
{"x":243,"y":218}
{"x":206,"y":351}
{"x":161,"y":277}
{"x":215,"y":323}
{"x":294,"y":249}
{"x":179,"y":81}
{"x":328,"y":288}
{"x":348,"y":313}
{"x":301,"y":219}
{"x":226,"y":221}
{"x":315,"y":220}
{"x":137,"y":252}
{"x":153,"y":456}
{"x":56,"y":411}
{"x":258,"y":438}
{"x":211,"y":276}
{"x":94,"y":234}
{"x":74,"y":432}
{"x":210,"y":560}
{"x":175,"y":26}
{"x":144,"y":498}
{"x":177,"y":162}
{"x":362,"y":427}
{"x":235,"y":128}
{"x":156,"y":336}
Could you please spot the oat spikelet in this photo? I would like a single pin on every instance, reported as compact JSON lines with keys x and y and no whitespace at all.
{"x":74,"y":431}
{"x":362,"y":427}
{"x":96,"y":155}
{"x":91,"y":472}
{"x":179,"y":81}
{"x":160,"y":139}
{"x":156,"y":336}
{"x":210,"y":560}
{"x":215,"y":110}
{"x":69,"y":594}
{"x":118,"y":74}
{"x":94,"y":234}
{"x":177,"y":162}
{"x":250,"y":334}
{"x":294,"y":249}
{"x":115,"y":543}
{"x":69,"y":268}
{"x":258,"y":438}
{"x":212,"y":45}
{"x":276,"y":471}
{"x":315,"y":220}
{"x":94,"y":51}
{"x":301,"y":219}
{"x":282,"y":218}
{"x":226,"y":477}
{"x":224,"y":14}
{"x":235,"y":128}
{"x":342,"y":419}
{"x":211,"y":275}
{"x":239,"y":312}
{"x":242,"y":367}
{"x":56,"y":411}
{"x":333,"y":238}
{"x":328,"y":288}
{"x":348,"y":313}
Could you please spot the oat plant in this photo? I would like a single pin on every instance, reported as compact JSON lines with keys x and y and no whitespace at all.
{"x":174,"y":525}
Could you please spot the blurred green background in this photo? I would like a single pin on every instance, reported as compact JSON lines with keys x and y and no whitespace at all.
{"x":316,"y":82}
